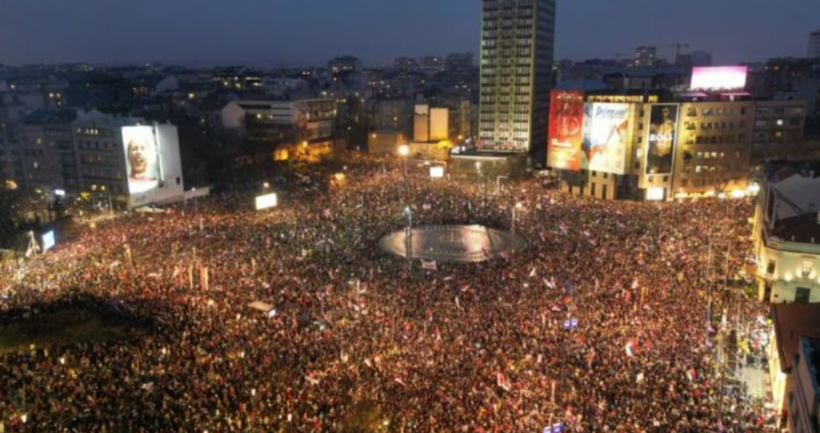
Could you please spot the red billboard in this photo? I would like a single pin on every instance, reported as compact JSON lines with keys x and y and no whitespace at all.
{"x":565,"y":129}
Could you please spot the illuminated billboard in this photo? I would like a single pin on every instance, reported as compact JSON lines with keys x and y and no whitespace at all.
{"x":661,"y":139}
{"x":153,"y":164}
{"x":142,"y":163}
{"x":608,"y":138}
{"x":719,"y":77}
{"x":48,"y":241}
{"x":266,"y":201}
{"x":437,"y":172}
{"x":565,"y":130}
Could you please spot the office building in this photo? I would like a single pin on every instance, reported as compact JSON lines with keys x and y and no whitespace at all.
{"x":517,"y":54}
{"x":814,"y":45}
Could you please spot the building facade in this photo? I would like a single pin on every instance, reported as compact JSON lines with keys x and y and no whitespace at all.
{"x":779,"y":127}
{"x":517,"y":51}
{"x":787,"y":235}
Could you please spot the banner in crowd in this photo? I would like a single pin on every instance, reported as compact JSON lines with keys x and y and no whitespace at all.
{"x":565,"y":130}
{"x":607,"y":145}
{"x":662,"y":139}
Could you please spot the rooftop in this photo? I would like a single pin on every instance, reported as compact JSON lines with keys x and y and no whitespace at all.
{"x":804,"y":229}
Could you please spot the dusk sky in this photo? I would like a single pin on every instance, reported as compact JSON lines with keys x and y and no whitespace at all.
{"x":309,"y":32}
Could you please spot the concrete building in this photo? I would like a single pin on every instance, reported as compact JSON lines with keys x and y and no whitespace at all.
{"x":343,"y":64}
{"x":431,"y":64}
{"x":392,"y":114}
{"x":277,"y":121}
{"x":714,"y":149}
{"x":517,"y":54}
{"x":793,"y":361}
{"x":787,"y":234}
{"x":805,"y":400}
{"x":814,"y":45}
{"x":645,"y":57}
{"x":47,"y":156}
{"x":779,"y":127}
{"x":709,"y":155}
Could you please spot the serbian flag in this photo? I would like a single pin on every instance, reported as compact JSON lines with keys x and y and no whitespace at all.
{"x":630,"y":349}
{"x":502,"y":382}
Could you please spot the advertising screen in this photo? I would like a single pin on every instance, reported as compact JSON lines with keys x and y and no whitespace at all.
{"x":266,"y":201}
{"x":608,"y":138}
{"x":662,"y":139}
{"x":142,"y":162}
{"x":719,"y":77}
{"x":565,"y":130}
{"x":48,"y":240}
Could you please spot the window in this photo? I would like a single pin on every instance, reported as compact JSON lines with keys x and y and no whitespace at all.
{"x":802,"y":295}
{"x":772,"y":267}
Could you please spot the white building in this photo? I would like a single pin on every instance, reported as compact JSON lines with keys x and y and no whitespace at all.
{"x":787,"y":235}
{"x":310,"y":119}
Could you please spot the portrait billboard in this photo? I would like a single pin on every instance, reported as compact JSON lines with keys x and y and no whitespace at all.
{"x":661,"y":139}
{"x":142,"y":164}
{"x":565,"y":130}
{"x":609,"y":129}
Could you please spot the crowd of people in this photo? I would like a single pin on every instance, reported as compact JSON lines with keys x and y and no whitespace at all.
{"x":601,"y":325}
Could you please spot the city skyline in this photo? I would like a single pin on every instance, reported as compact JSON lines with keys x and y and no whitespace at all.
{"x":265,"y":33}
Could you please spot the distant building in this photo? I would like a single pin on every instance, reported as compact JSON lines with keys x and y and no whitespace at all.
{"x":46,"y":152}
{"x":779,"y":127}
{"x":281,"y":121}
{"x":459,"y":62}
{"x":406,"y":64}
{"x":431,"y":64}
{"x":392,"y":114}
{"x":517,"y":56}
{"x":645,"y":57}
{"x":787,"y":234}
{"x":695,"y":58}
{"x":344,"y":64}
{"x":814,"y":44}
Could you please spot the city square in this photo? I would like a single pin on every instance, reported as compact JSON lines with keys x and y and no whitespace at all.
{"x":598,"y":324}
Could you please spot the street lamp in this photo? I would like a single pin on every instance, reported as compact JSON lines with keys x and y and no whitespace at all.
{"x":518,"y":206}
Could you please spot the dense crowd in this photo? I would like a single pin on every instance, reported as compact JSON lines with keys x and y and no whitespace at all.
{"x":360,"y":340}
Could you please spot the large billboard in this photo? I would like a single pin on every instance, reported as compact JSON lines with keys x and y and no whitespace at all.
{"x":153,"y":167}
{"x":662,"y":139}
{"x":141,"y":158}
{"x":607,"y":138}
{"x":565,"y":130}
{"x":719,"y":77}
